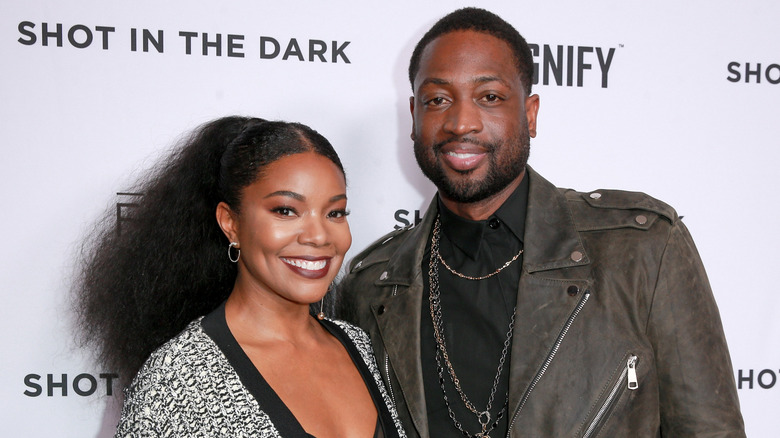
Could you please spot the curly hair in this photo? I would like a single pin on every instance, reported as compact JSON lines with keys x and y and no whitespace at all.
{"x":478,"y":20}
{"x":137,"y":288}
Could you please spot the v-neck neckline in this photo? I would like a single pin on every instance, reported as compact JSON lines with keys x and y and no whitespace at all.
{"x":215,"y":326}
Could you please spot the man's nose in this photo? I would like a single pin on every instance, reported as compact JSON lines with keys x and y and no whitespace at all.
{"x":463,"y":117}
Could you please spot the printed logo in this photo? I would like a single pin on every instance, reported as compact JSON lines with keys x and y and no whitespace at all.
{"x":570,"y":65}
{"x":126,"y":203}
{"x":189,"y":42}
{"x":754,"y":72}
{"x":753,"y":379}
{"x":403,"y":220}
{"x":83,"y":385}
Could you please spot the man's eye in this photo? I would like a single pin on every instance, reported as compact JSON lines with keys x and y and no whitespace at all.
{"x":492,"y":98}
{"x":436,"y":101}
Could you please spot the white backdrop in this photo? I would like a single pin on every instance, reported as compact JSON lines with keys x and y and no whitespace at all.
{"x":687,"y":115}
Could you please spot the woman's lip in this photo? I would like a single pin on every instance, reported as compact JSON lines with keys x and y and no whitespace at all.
{"x":308,"y":267}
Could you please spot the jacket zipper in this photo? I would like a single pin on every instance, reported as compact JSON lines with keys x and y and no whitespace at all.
{"x":629,"y":377}
{"x":549,"y":359}
{"x":387,"y":363}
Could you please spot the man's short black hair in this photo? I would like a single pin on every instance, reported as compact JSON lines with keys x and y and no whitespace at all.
{"x":479,"y":20}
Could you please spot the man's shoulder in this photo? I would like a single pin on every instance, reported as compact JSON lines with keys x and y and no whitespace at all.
{"x":605,"y":209}
{"x":383,"y":248}
{"x":370,"y":266}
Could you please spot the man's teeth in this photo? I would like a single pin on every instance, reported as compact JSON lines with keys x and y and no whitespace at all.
{"x":315,"y":265}
{"x":457,"y":155}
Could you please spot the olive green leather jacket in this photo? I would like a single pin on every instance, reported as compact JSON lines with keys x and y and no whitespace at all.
{"x":617,"y":333}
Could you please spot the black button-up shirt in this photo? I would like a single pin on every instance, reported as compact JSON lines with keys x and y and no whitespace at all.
{"x":475,"y":313}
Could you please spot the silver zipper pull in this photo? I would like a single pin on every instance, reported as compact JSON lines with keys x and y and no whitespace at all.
{"x":633,"y":383}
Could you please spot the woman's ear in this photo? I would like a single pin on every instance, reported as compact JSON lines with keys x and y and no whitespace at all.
{"x":228,"y":221}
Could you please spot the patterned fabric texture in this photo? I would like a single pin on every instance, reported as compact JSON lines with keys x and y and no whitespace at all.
{"x":187,"y":388}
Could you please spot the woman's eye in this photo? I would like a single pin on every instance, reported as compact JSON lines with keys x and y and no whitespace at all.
{"x":284,"y":211}
{"x":337,"y":214}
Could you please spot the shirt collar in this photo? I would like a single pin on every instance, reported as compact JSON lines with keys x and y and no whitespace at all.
{"x":467,"y":234}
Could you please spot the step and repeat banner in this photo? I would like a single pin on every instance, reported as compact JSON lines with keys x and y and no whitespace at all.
{"x":678,"y":100}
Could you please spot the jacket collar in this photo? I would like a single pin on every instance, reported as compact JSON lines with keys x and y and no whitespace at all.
{"x":551,"y":238}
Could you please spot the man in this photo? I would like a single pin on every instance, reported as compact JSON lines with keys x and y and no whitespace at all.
{"x":518,"y":309}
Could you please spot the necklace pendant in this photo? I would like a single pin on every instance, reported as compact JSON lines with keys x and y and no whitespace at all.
{"x":484,"y":420}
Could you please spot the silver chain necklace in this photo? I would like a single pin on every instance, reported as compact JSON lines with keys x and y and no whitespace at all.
{"x":434,"y":298}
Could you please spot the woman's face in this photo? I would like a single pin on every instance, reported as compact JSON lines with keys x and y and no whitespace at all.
{"x":292,"y":228}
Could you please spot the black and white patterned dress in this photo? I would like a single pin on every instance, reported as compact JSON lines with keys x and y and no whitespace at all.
{"x":202,"y":384}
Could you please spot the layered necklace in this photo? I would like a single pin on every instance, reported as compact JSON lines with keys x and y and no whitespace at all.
{"x":483,"y":417}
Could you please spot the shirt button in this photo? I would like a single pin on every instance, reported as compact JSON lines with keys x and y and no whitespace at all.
{"x":572,"y":290}
{"x":383,"y":276}
{"x":494,"y":223}
{"x":380,"y":310}
{"x":641,"y":219}
{"x":576,"y":256}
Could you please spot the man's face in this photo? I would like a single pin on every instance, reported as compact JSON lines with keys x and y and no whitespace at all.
{"x":472,"y":120}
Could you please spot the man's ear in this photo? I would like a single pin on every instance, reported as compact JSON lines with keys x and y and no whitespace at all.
{"x":531,"y":111}
{"x":411,"y":110}
{"x":228,"y":221}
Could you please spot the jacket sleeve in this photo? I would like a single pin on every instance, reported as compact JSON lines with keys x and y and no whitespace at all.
{"x":698,"y":395}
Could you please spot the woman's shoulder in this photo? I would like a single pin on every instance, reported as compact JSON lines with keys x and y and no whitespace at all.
{"x":190,"y":344}
{"x":181,"y":356}
{"x":186,"y":386}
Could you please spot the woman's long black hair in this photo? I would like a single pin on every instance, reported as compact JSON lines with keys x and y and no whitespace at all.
{"x":137,"y":288}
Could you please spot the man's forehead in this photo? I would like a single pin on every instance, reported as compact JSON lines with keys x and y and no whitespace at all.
{"x":466,"y":38}
{"x":474,"y":80}
{"x":457,"y":51}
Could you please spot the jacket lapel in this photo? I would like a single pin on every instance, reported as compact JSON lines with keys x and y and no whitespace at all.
{"x":544,"y":305}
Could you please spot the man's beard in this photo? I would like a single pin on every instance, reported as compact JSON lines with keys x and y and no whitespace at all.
{"x":466,"y":189}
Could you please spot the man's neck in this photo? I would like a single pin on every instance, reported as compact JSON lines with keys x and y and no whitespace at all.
{"x":481,"y":210}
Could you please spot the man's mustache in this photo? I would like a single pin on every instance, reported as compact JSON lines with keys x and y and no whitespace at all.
{"x":489,"y":147}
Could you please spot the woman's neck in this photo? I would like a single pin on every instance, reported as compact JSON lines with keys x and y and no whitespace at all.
{"x":256,"y":317}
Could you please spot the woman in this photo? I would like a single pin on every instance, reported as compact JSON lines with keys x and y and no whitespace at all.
{"x":245,"y":224}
